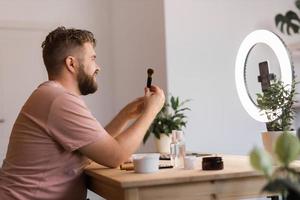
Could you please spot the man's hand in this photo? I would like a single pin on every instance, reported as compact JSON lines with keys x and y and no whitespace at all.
{"x":134,"y":109}
{"x":154,"y":99}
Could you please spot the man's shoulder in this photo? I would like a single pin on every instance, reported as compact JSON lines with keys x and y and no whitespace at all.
{"x":62,"y":99}
{"x":49,"y":93}
{"x":55,"y":90}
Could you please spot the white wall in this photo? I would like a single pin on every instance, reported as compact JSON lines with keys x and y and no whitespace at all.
{"x":202,"y":39}
{"x":93,"y":15}
{"x":138,"y":42}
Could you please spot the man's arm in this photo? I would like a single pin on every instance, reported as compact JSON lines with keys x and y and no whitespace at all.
{"x":131,"y":111}
{"x":111,"y":151}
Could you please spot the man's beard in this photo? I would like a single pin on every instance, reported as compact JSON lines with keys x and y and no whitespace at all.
{"x":86,"y":83}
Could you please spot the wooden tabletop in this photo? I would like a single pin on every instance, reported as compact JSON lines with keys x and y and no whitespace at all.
{"x":234,"y":167}
{"x":238,"y":180}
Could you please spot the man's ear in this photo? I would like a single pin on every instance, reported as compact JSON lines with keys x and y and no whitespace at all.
{"x":70,"y":62}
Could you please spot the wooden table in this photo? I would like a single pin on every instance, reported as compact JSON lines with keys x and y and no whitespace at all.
{"x":236,"y":181}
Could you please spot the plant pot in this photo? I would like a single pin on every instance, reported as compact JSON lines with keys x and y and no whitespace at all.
{"x":269,"y":140}
{"x":163,"y":144}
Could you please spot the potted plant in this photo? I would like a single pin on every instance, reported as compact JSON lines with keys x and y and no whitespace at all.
{"x":171,"y":117}
{"x":277,"y":103}
{"x":283,"y":179}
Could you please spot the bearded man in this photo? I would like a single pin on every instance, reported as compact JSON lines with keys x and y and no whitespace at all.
{"x":55,"y":134}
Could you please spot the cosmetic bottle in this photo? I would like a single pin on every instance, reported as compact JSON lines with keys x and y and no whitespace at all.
{"x":174,"y":150}
{"x":181,"y":148}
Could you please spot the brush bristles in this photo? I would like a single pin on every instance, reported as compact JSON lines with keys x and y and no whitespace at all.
{"x":150,"y":71}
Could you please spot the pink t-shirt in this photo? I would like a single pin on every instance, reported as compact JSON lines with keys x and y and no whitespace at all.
{"x":41,"y":161}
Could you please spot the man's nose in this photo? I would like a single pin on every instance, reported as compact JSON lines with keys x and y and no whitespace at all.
{"x":98,"y":67}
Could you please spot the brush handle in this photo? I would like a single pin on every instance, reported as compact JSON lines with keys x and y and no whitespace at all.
{"x":149,"y":81}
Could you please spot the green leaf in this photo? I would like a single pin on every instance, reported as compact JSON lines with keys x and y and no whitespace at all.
{"x":297,"y":3}
{"x":182,"y":109}
{"x":177,"y":103}
{"x":146,"y":136}
{"x":261,"y":160}
{"x":173,"y":103}
{"x":287,"y":148}
{"x":287,"y":21}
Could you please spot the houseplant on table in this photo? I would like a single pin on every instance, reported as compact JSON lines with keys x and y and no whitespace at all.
{"x":283,"y":179}
{"x":277,"y":103}
{"x":171,"y":117}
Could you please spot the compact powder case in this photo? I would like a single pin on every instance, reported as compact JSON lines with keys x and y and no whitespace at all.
{"x":212,"y":163}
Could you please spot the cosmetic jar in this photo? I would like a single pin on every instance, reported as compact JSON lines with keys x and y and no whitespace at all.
{"x":212,"y":163}
{"x":146,"y":163}
{"x":190,"y":162}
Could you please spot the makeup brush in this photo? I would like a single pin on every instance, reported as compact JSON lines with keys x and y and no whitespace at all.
{"x":149,"y":79}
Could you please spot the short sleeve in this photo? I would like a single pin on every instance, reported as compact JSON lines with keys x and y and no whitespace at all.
{"x":72,"y":124}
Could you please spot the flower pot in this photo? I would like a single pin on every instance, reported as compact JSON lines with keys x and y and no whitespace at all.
{"x":163,"y":144}
{"x":269,"y":140}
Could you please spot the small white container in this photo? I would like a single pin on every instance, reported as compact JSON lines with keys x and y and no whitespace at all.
{"x":190,"y":162}
{"x":146,"y":163}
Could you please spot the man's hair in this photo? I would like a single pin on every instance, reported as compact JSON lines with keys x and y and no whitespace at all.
{"x":60,"y":43}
